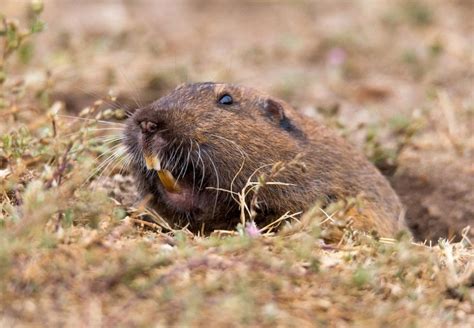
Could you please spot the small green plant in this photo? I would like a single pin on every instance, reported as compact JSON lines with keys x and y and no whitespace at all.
{"x":13,"y":36}
{"x":417,"y":13}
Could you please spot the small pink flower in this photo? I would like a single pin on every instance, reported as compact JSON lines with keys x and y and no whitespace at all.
{"x":336,"y":56}
{"x":252,"y":230}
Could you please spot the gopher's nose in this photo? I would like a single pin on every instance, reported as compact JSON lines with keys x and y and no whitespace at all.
{"x":148,"y":127}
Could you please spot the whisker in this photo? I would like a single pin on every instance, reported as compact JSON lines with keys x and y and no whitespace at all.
{"x":203,"y":166}
{"x":91,"y":135}
{"x":126,"y":163}
{"x":178,"y":159}
{"x":217,"y":181}
{"x":194,"y":174}
{"x":91,"y":120}
{"x":107,"y":138}
{"x":108,"y":151}
{"x":189,"y":155}
{"x":114,"y":104}
{"x":133,"y":87}
{"x":128,"y":113}
{"x":118,"y":154}
{"x":101,"y":166}
{"x":118,"y":161}
{"x":242,"y":153}
{"x":185,"y":166}
{"x":137,"y":157}
{"x":173,"y":154}
{"x":106,"y":129}
{"x":115,"y":150}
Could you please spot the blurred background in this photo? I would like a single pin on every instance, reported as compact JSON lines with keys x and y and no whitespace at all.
{"x":395,"y":77}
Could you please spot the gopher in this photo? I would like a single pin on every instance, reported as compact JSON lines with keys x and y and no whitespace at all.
{"x":193,"y":150}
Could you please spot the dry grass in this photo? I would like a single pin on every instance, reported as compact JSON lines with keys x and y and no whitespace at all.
{"x":75,"y":250}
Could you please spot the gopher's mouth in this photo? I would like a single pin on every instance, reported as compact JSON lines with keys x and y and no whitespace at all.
{"x":178,"y":194}
{"x":166,"y":177}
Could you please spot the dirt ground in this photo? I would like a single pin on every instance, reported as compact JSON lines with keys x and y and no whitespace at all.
{"x":395,"y":78}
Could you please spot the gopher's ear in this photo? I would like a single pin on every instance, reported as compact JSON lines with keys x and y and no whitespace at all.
{"x":274,"y":110}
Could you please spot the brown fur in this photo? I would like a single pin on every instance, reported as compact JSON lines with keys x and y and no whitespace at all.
{"x":207,"y":145}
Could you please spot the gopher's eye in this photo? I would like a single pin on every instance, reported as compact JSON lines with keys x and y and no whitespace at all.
{"x":148,"y":127}
{"x":226,"y":100}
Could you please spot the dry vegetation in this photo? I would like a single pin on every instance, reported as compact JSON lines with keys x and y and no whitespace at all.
{"x":395,"y":77}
